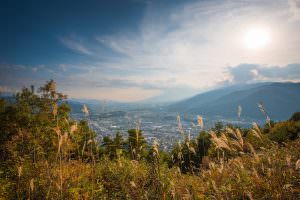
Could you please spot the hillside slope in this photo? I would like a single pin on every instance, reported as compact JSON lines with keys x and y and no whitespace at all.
{"x":280,"y":99}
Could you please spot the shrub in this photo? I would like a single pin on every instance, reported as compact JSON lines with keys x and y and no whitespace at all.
{"x":284,"y":131}
{"x":295,"y":117}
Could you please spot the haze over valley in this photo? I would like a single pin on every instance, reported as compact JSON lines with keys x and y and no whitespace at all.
{"x":158,"y":119}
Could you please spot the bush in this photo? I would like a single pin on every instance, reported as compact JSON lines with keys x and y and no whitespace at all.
{"x":295,"y":117}
{"x":284,"y":131}
{"x":46,"y":155}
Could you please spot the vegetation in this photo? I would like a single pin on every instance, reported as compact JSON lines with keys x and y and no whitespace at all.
{"x":44,"y":154}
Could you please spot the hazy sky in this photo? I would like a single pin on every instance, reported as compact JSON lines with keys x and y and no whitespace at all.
{"x":130,"y":50}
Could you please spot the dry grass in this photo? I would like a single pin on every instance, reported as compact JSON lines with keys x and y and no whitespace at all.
{"x":241,"y":164}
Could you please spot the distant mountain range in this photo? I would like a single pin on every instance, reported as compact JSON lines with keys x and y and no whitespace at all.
{"x":280,"y":100}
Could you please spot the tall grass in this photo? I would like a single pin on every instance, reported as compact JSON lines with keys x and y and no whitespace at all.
{"x":241,"y":164}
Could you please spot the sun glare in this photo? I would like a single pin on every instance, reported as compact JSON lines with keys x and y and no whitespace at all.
{"x":256,"y":38}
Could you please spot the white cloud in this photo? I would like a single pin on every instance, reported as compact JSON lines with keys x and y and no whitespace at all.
{"x":188,"y":46}
{"x":63,"y":67}
{"x":75,"y":45}
{"x":196,"y":42}
{"x":249,"y":73}
{"x":295,"y":9}
{"x":37,"y":68}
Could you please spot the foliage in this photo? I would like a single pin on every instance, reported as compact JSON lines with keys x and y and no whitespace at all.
{"x":136,"y":144}
{"x":284,"y":131}
{"x":295,"y":117}
{"x":44,"y":154}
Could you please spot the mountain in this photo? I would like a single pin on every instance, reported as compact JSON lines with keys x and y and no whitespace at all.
{"x":171,"y":95}
{"x":279,"y":99}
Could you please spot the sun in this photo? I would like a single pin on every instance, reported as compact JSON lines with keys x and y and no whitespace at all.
{"x":257,"y":37}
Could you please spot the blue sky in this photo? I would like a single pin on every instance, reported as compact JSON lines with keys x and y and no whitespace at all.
{"x":130,"y":50}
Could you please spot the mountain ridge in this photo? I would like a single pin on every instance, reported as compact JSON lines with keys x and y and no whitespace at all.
{"x":281,"y":99}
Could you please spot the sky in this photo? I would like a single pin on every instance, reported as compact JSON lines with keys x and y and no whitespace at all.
{"x":132,"y":50}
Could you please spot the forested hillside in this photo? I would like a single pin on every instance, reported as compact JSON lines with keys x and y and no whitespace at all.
{"x":44,"y":154}
{"x":280,"y":99}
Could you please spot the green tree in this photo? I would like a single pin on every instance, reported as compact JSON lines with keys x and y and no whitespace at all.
{"x":112,"y":147}
{"x":203,"y":144}
{"x":118,"y":141}
{"x":184,"y":156}
{"x":136,"y":144}
{"x":108,"y":147}
{"x":218,"y":128}
{"x":284,"y":131}
{"x":36,"y":133}
{"x":295,"y":117}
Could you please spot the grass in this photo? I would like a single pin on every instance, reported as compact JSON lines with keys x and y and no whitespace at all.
{"x":47,"y":155}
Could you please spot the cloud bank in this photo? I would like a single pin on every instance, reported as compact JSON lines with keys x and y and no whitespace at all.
{"x":249,"y":73}
{"x":187,"y":46}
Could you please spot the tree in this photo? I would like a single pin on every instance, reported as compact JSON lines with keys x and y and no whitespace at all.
{"x":118,"y":141}
{"x":37,"y":132}
{"x":108,"y":147}
{"x":113,"y":146}
{"x":136,"y":144}
{"x":218,"y":128}
{"x":284,"y":131}
{"x":203,"y":141}
{"x":184,"y":155}
{"x":295,"y":117}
